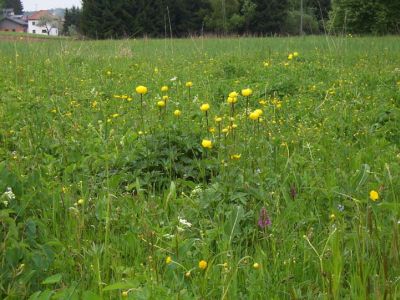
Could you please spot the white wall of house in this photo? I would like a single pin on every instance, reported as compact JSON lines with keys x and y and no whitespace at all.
{"x":35,"y":29}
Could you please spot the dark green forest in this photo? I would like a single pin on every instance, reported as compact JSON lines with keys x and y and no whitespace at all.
{"x":103,"y":19}
{"x":181,"y":18}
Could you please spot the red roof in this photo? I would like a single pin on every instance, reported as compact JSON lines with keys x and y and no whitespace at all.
{"x":39,"y":14}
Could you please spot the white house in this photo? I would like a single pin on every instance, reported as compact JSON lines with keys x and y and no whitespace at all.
{"x":36,"y":23}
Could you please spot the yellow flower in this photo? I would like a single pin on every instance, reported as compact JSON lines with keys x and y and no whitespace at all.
{"x":161,"y":103}
{"x":206,"y":143}
{"x":124,"y":294}
{"x":108,"y":73}
{"x":189,"y":84}
{"x":177,"y":113}
{"x":254,"y":115}
{"x":168,"y":260}
{"x":115,"y":115}
{"x":203,"y":264}
{"x":211,"y":130}
{"x":295,"y":54}
{"x":187,"y":274}
{"x":165,"y":97}
{"x":204,"y":107}
{"x":81,"y":201}
{"x":218,"y":119}
{"x":259,"y":111}
{"x":94,"y":103}
{"x":262,"y":102}
{"x":373,"y":195}
{"x":233,"y":94}
{"x":141,"y":90}
{"x":225,"y":130}
{"x":290,"y":56}
{"x":332,"y":217}
{"x":164,"y":88}
{"x":247,"y":92}
{"x":236,"y":156}
{"x":256,"y":266}
{"x":230,"y":100}
{"x":54,"y":111}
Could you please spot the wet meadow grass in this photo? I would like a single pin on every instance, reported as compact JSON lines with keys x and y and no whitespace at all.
{"x":111,"y":191}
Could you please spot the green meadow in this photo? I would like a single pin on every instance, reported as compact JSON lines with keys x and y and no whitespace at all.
{"x":288,"y":189}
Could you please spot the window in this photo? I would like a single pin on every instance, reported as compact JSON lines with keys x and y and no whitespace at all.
{"x":44,"y":31}
{"x":33,"y":31}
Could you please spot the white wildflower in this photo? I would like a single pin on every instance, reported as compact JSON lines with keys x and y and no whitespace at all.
{"x":168,"y":236}
{"x":9,"y":194}
{"x":185,"y":222}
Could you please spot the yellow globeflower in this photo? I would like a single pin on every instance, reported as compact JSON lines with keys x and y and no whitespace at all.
{"x":141,"y":90}
{"x":203,"y":264}
{"x":161,"y":103}
{"x":164,"y":88}
{"x":236,"y":156}
{"x":165,"y":97}
{"x":290,"y":56}
{"x":295,"y":54}
{"x":254,"y":115}
{"x":256,"y":266}
{"x":373,"y":195}
{"x":247,"y":92}
{"x":233,"y":94}
{"x":168,"y":260}
{"x":230,"y":100}
{"x":177,"y":113}
{"x":206,"y":144}
{"x":125,"y":294}
{"x":189,"y":84}
{"x":204,"y":107}
{"x":218,"y":119}
{"x":259,"y":111}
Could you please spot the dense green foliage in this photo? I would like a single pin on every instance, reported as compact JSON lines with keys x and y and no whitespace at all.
{"x":160,"y":18}
{"x":103,"y":19}
{"x":360,"y":16}
{"x":72,"y":21}
{"x":106,"y":194}
{"x":14,"y":4}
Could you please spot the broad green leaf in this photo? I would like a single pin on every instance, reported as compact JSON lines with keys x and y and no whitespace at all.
{"x":120,"y":286}
{"x":52,"y":279}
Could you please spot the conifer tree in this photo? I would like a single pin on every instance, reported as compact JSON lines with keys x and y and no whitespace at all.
{"x":269,"y":16}
{"x":14,"y":4}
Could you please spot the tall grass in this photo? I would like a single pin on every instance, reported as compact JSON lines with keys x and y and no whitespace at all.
{"x":114,"y":201}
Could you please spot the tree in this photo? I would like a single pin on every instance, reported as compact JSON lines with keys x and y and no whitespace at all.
{"x":366,"y":16}
{"x":72,"y":20}
{"x":269,"y":16}
{"x":16,"y":5}
{"x":49,"y":22}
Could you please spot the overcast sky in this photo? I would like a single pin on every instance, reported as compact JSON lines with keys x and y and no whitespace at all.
{"x":30,"y":5}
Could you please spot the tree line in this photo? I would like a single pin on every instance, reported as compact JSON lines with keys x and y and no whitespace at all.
{"x":179,"y":18}
{"x":102,"y":19}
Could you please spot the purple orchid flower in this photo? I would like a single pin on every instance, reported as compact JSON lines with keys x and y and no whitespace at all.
{"x":264,"y":219}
